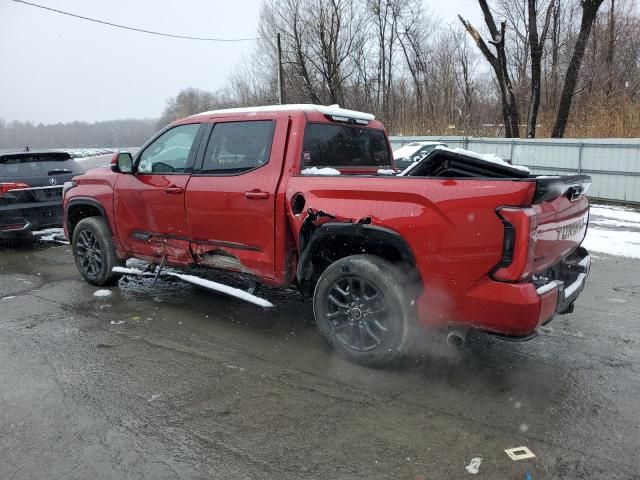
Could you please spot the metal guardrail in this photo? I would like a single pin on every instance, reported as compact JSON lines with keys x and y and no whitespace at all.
{"x":614,"y":164}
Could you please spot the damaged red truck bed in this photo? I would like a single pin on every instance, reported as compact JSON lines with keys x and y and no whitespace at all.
{"x":289,"y":196}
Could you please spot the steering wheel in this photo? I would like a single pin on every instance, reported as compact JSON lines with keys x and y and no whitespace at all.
{"x":161,"y":167}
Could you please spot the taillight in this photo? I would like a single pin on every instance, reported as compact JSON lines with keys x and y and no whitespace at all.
{"x":6,"y":186}
{"x":520,"y":226}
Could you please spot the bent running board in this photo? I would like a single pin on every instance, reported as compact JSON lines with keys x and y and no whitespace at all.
{"x":202,"y":282}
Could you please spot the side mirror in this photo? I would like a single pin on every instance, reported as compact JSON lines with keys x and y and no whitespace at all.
{"x":122,"y":162}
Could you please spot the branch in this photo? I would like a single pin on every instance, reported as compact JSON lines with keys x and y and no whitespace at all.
{"x":499,"y":38}
{"x":478,"y":39}
{"x":547,"y":22}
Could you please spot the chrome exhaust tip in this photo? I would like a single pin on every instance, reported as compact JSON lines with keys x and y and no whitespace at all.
{"x":456,"y":337}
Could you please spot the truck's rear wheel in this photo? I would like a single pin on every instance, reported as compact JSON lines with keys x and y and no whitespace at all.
{"x":93,"y":251}
{"x":362,"y":308}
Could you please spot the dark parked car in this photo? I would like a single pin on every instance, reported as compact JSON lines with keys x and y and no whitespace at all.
{"x":31,"y":186}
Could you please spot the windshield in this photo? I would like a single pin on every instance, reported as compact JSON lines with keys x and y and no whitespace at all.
{"x":331,"y":145}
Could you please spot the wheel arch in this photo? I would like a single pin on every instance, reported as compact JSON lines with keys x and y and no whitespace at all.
{"x":335,"y":240}
{"x":80,"y":208}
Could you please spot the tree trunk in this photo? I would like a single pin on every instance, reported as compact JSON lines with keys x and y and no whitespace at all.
{"x":589,"y":12}
{"x":498,"y":62}
{"x":611,"y":48}
{"x":536,"y":45}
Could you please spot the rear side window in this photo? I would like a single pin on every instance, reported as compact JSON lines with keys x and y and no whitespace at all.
{"x":36,"y":164}
{"x":237,"y":147}
{"x":329,"y":145}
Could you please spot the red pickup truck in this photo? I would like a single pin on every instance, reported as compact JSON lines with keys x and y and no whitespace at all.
{"x":457,"y":242}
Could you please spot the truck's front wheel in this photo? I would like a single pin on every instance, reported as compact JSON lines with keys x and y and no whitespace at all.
{"x":93,"y":251}
{"x":362,"y":308}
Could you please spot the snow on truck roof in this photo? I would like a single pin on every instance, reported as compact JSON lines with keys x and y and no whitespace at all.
{"x":330,"y":110}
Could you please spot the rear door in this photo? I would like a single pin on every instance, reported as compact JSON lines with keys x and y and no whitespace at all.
{"x":230,"y":199}
{"x":149,"y":204}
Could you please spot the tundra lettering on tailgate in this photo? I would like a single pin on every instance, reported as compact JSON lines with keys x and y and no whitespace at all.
{"x":573,"y":229}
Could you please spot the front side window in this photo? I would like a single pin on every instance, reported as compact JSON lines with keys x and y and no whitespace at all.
{"x":330,"y":145}
{"x":237,"y":147}
{"x":169,"y":153}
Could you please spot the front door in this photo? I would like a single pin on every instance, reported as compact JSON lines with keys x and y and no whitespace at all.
{"x":231,"y":198}
{"x":149,"y":204}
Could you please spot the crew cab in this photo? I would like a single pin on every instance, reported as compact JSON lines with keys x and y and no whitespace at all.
{"x":458,"y":242}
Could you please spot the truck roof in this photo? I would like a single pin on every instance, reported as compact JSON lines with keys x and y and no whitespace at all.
{"x":330,"y":110}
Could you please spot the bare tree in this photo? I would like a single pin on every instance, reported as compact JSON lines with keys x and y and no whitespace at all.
{"x":611,"y":46}
{"x":498,"y":62}
{"x":536,"y":45}
{"x":589,"y":12}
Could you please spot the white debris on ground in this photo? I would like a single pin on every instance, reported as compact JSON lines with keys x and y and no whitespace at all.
{"x":474,"y":465}
{"x":55,"y":235}
{"x":102,"y":293}
{"x":118,"y":322}
{"x":613,"y":230}
{"x":320,"y":171}
{"x":203,"y":282}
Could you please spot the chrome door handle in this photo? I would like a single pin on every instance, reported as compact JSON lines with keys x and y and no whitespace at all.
{"x":256,"y":195}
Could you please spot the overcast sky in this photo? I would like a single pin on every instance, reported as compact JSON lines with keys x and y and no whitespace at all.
{"x":59,"y":69}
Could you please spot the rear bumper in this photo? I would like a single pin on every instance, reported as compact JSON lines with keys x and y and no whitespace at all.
{"x":573,"y":273}
{"x":510,"y":309}
{"x":21,"y":219}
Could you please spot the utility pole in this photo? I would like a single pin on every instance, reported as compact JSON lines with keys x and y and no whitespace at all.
{"x":280,"y":73}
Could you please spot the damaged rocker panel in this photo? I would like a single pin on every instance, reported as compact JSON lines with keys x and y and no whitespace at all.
{"x":145,"y":236}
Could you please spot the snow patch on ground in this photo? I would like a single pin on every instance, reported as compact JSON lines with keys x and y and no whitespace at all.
{"x":55,"y":235}
{"x":614,"y":242}
{"x":614,"y":231}
{"x":320,"y":171}
{"x":616,"y":213}
{"x":102,"y":293}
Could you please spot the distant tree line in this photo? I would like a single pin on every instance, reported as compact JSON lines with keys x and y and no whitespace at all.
{"x":534,"y":68}
{"x":113,"y":133}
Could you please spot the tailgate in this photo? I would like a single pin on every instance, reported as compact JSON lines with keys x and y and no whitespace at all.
{"x":562,"y":215}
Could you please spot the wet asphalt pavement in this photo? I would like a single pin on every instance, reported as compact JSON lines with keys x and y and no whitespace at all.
{"x":198,"y":385}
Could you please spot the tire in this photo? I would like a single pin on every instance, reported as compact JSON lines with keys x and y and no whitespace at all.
{"x":93,"y":251}
{"x":362,"y":307}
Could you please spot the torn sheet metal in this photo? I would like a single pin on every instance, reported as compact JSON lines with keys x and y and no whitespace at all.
{"x":202,"y":282}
